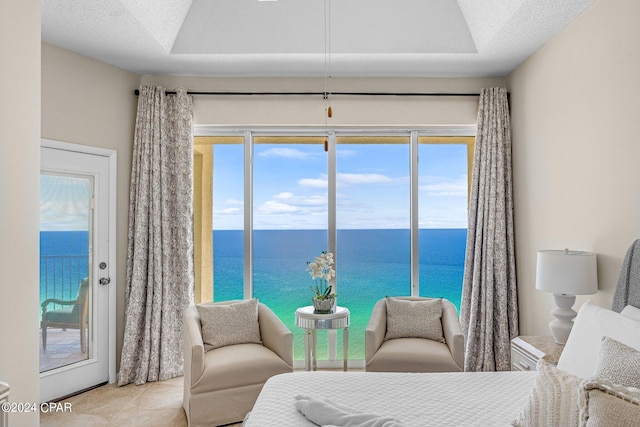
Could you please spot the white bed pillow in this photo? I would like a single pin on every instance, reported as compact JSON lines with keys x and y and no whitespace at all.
{"x":580,"y":354}
{"x":632,"y":312}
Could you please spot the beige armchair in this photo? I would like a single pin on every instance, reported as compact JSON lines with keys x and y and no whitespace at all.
{"x":414,"y":354}
{"x":221,"y":385}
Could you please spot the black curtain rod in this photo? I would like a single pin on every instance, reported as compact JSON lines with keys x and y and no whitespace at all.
{"x":323,"y":94}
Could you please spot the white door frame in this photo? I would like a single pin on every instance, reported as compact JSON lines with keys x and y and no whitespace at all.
{"x":111,"y":272}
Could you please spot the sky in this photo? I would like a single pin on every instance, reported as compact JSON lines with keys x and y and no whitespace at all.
{"x":64,"y":202}
{"x":290,"y":186}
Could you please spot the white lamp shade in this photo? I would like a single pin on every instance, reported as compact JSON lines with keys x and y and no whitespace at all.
{"x":567,"y":272}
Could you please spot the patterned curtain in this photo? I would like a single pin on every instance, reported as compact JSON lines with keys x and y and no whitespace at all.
{"x":160,"y":247}
{"x":489,"y":311}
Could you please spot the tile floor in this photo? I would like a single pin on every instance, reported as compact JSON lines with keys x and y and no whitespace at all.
{"x":157,"y":404}
{"x":63,"y":348}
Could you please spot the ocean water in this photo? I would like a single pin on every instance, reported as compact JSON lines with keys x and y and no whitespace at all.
{"x":370,"y":264}
{"x":63,"y":263}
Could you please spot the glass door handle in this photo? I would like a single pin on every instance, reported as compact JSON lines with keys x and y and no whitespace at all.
{"x":105,"y":281}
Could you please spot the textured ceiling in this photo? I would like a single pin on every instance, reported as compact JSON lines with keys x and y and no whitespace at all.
{"x":351,"y":38}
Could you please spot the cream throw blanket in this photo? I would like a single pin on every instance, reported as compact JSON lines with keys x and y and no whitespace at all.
{"x":326,"y":413}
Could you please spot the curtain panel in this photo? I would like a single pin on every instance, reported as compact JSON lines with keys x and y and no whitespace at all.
{"x":160,"y":240}
{"x":489,"y":309}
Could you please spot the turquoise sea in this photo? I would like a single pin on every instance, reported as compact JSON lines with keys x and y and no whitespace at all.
{"x":370,"y":264}
{"x":63,"y":263}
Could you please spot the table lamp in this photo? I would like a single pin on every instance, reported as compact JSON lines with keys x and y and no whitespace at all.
{"x":565,"y":274}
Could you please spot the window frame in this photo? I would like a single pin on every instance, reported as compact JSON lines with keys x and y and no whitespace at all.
{"x":212,"y":134}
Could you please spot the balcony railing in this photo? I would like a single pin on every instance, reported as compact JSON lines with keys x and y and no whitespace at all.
{"x":60,"y":276}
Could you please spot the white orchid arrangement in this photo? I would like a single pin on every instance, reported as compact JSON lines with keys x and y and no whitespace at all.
{"x":321,"y":270}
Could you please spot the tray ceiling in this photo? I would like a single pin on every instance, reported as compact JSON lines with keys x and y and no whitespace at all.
{"x":349,"y":38}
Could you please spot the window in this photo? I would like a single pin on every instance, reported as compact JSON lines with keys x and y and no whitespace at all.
{"x":289,"y":223}
{"x":444,"y":172}
{"x":373,"y":226}
{"x":397,"y":226}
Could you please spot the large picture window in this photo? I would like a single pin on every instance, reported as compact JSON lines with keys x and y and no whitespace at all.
{"x":392,"y":207}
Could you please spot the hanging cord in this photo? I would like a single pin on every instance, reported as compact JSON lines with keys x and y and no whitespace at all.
{"x":325,"y":95}
{"x":327,"y":55}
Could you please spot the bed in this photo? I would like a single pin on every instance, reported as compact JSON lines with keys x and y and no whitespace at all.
{"x":552,"y":394}
{"x":420,"y":400}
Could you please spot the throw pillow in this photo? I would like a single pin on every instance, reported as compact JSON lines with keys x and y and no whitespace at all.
{"x":604,"y":404}
{"x":414,"y":319}
{"x":619,"y":363}
{"x":580,"y":354}
{"x":553,"y":401}
{"x":229,"y":324}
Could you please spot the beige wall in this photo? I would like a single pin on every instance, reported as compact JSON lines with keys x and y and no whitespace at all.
{"x":309,"y":110}
{"x":19,"y":201}
{"x":88,"y":102}
{"x":576,"y":154}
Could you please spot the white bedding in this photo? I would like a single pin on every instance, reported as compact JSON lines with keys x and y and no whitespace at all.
{"x":420,"y":400}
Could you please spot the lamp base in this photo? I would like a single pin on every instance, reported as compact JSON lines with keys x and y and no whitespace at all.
{"x":564,"y":315}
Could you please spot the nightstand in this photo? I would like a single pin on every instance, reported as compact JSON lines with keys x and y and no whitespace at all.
{"x":527,"y":350}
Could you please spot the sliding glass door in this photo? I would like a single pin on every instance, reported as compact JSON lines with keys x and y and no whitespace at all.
{"x":290,"y":214}
{"x":391,"y":206}
{"x":373,"y":226}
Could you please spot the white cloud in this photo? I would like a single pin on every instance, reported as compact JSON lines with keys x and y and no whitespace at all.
{"x":346,"y":153}
{"x":290,"y":203}
{"x":362,"y":178}
{"x":289,"y":153}
{"x":286,"y":195}
{"x":445,"y":187}
{"x":64,"y":203}
{"x":271,"y":207}
{"x":346,"y":179}
{"x":234,"y":202}
{"x":314,"y":182}
{"x":229,"y":211}
{"x":313,"y":201}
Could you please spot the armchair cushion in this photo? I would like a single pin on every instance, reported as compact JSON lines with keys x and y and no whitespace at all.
{"x":412,"y":355}
{"x":62,"y":315}
{"x":414,"y":319}
{"x":229,"y":324}
{"x":238,"y":366}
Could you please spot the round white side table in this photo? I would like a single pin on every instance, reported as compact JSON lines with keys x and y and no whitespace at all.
{"x":311,"y":322}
